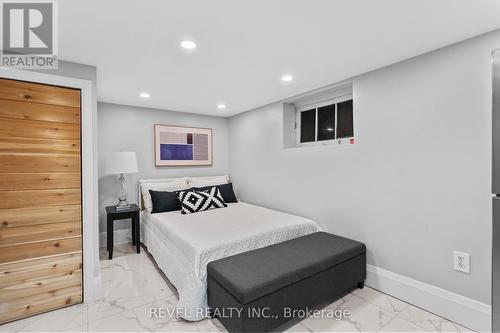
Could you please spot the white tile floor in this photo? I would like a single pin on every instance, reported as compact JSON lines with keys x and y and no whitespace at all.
{"x":132,"y":285}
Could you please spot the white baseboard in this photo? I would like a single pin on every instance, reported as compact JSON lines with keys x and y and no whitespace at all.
{"x":121,"y":236}
{"x":457,"y":308}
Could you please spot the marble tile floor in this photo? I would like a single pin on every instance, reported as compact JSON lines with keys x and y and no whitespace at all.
{"x":132,"y":285}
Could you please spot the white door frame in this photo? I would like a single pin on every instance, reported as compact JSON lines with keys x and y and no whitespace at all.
{"x":91,"y":267}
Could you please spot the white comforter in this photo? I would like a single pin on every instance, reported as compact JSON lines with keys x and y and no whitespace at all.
{"x":183,"y":245}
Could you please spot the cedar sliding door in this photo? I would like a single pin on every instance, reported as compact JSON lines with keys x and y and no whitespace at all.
{"x":40,"y":199}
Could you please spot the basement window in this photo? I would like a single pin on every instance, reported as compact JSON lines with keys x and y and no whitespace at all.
{"x":329,"y":121}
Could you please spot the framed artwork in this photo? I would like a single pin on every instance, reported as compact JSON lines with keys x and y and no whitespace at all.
{"x":182,"y":146}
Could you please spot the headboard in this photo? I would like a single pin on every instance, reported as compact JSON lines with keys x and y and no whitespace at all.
{"x":166,"y":180}
{"x":150,"y":181}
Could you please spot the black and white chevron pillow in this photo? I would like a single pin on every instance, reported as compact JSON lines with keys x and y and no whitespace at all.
{"x":198,"y":201}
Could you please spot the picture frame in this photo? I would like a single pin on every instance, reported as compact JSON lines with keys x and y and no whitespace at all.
{"x":182,"y":146}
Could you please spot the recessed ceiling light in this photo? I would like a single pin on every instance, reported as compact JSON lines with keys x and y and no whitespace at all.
{"x":145,"y":95}
{"x":188,"y":44}
{"x":221,"y":106}
{"x":287,"y":78}
{"x":329,"y":129}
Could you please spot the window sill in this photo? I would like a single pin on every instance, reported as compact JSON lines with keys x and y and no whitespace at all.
{"x":344,"y":141}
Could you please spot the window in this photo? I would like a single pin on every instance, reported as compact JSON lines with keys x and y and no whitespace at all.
{"x":326,"y":121}
{"x":308,"y":126}
{"x":345,"y":127}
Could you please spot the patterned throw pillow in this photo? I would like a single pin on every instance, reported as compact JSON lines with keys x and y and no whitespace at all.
{"x":198,"y":201}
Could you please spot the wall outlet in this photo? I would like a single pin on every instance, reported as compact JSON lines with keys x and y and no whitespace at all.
{"x":461,"y":261}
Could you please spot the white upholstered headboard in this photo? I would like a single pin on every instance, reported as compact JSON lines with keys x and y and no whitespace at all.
{"x":141,"y":182}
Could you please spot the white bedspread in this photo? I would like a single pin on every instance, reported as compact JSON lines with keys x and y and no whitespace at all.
{"x":183,"y":245}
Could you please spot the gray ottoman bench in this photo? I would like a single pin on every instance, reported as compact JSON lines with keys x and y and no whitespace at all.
{"x":259,"y":290}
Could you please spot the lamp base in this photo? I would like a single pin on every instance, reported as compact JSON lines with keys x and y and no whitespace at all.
{"x":127,"y":206}
{"x":122,"y":204}
{"x":122,"y":199}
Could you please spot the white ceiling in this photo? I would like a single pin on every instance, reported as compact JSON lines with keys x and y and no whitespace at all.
{"x":244,"y":46}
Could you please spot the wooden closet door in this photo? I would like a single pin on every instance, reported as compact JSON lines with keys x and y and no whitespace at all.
{"x":40,"y":199}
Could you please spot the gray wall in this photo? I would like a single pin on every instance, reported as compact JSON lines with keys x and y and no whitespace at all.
{"x":130,"y":128}
{"x":414,"y":187}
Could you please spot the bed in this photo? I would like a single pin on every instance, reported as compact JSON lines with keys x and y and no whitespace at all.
{"x":183,"y":245}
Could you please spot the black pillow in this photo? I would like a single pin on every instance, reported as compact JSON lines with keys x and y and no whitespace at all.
{"x":164,"y":201}
{"x":226,"y":190}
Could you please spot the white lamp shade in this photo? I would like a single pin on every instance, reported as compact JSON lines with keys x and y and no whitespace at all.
{"x":122,"y":162}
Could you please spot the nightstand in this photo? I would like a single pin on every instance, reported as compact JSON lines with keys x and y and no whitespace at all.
{"x":128,"y":213}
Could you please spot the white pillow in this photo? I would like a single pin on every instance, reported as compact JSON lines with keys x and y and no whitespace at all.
{"x":208,"y":181}
{"x":176,"y":184}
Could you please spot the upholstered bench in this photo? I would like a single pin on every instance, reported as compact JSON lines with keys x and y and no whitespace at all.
{"x":262,"y":289}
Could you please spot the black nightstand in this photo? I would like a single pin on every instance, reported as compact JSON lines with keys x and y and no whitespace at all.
{"x":129,"y":213}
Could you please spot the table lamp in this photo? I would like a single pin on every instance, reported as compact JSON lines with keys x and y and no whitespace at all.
{"x":118,"y":164}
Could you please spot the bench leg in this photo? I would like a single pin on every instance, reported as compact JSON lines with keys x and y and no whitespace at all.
{"x":361,"y":285}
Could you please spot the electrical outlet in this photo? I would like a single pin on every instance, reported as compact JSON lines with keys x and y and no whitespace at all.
{"x":461,"y":261}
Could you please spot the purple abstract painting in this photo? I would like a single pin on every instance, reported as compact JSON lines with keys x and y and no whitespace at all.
{"x":176,"y":152}
{"x":183,"y":145}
